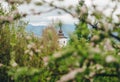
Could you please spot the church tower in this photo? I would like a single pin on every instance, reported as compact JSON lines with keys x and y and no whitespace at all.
{"x":61,"y":38}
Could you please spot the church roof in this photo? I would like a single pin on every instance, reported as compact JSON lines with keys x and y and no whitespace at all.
{"x":61,"y":34}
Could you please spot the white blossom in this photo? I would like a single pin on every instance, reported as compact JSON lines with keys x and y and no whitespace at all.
{"x":1,"y":64}
{"x":110,"y":59}
{"x":14,"y":64}
{"x":31,"y":53}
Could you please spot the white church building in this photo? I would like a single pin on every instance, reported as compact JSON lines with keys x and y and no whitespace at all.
{"x":61,"y":38}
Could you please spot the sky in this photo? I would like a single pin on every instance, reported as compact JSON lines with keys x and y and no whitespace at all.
{"x":49,"y":17}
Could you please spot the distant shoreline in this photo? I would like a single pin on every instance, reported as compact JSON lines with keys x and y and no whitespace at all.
{"x":37,"y":30}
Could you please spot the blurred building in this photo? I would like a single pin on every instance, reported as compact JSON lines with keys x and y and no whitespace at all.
{"x":61,"y":38}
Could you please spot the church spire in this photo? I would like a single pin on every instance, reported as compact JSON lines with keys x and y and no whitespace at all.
{"x":60,"y":30}
{"x":61,"y":38}
{"x":60,"y":33}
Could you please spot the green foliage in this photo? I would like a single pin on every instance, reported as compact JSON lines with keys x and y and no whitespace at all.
{"x":92,"y":54}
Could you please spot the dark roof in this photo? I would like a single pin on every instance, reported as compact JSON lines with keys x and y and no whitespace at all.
{"x":61,"y":34}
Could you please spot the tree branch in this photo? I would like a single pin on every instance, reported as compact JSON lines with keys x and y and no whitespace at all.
{"x":61,"y":8}
{"x":94,"y":26}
